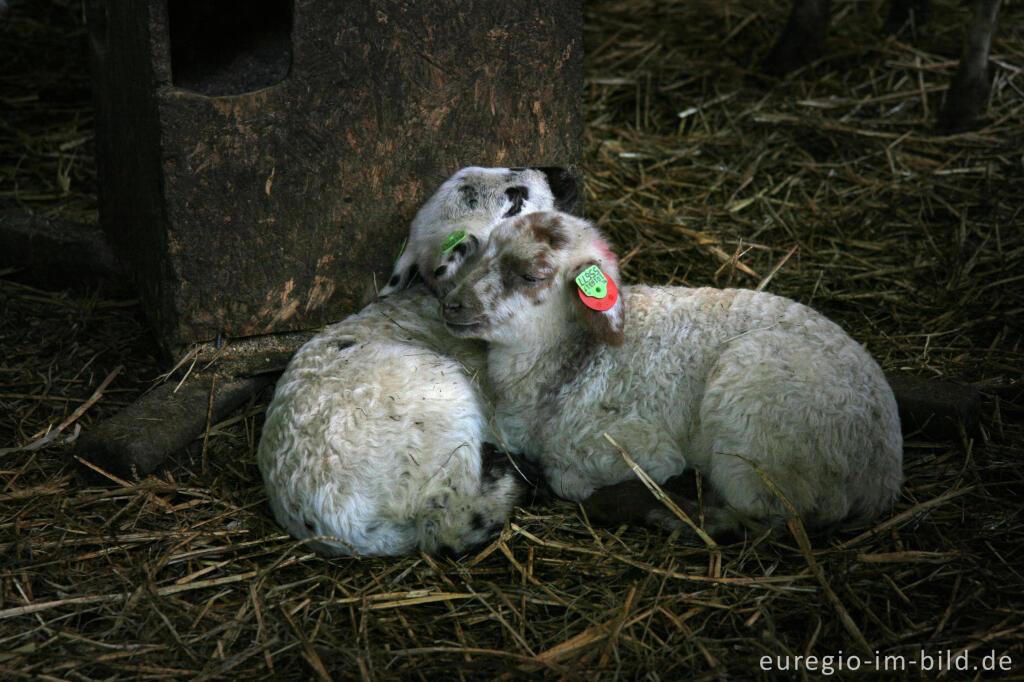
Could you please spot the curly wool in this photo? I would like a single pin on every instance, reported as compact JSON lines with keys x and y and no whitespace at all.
{"x":725,"y":381}
{"x":374,"y":436}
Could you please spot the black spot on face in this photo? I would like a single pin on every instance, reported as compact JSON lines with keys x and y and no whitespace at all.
{"x":408,"y":277}
{"x":467,"y":246}
{"x":517,"y":195}
{"x":469,"y":196}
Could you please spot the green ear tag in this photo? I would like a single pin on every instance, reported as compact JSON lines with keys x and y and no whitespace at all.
{"x":401,"y":250}
{"x":452,"y":241}
{"x":592,"y":282}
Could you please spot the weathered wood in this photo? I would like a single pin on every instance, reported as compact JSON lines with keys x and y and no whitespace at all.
{"x":935,"y":409}
{"x":58,"y":254}
{"x":967,"y":96}
{"x":252,"y":355}
{"x":138,"y":439}
{"x":277,"y":209}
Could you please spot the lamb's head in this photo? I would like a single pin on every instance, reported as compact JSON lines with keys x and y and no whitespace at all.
{"x":542,"y":276}
{"x":458,"y":218}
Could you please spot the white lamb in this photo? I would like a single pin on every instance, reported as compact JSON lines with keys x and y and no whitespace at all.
{"x":722,"y":381}
{"x":452,"y":224}
{"x":376,"y":436}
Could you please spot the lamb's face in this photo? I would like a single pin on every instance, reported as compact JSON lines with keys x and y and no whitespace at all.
{"x":527,"y":280}
{"x":458,"y":218}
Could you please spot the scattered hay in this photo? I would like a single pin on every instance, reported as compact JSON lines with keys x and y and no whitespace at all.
{"x":829,"y":186}
{"x":47,"y":164}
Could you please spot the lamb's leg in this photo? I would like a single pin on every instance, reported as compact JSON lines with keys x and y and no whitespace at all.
{"x":632,"y":503}
{"x":803,"y":38}
{"x":799,"y":420}
{"x":968,"y":92}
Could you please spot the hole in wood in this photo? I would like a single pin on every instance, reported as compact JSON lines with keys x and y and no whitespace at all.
{"x":229,"y":46}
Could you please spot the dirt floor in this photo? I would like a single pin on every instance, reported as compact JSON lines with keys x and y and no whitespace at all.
{"x":830,"y":186}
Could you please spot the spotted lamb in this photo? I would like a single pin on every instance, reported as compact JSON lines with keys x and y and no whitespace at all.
{"x":376,"y":441}
{"x":452,"y":224}
{"x":732,"y":383}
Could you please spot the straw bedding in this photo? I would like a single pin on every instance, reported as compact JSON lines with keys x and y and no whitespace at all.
{"x":829,"y":186}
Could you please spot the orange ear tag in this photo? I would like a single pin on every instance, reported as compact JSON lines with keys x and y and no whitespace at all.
{"x":597,"y":291}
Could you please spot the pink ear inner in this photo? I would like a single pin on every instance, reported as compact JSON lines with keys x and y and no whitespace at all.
{"x":605,"y":251}
{"x":601,"y":304}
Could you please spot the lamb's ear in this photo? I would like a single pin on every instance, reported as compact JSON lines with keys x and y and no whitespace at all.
{"x":563,"y":186}
{"x":403,"y":272}
{"x":400,"y":279}
{"x":600,"y":303}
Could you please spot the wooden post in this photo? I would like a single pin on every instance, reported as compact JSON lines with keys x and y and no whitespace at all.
{"x":260,"y":161}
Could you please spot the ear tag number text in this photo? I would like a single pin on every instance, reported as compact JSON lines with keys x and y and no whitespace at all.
{"x":596,"y":289}
{"x":592,"y":282}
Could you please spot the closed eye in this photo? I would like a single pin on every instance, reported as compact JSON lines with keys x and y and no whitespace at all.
{"x":532,"y":279}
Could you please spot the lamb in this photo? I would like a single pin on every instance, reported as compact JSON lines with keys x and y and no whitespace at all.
{"x":377,"y":436}
{"x":376,"y":441}
{"x":732,"y":383}
{"x":452,"y":224}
